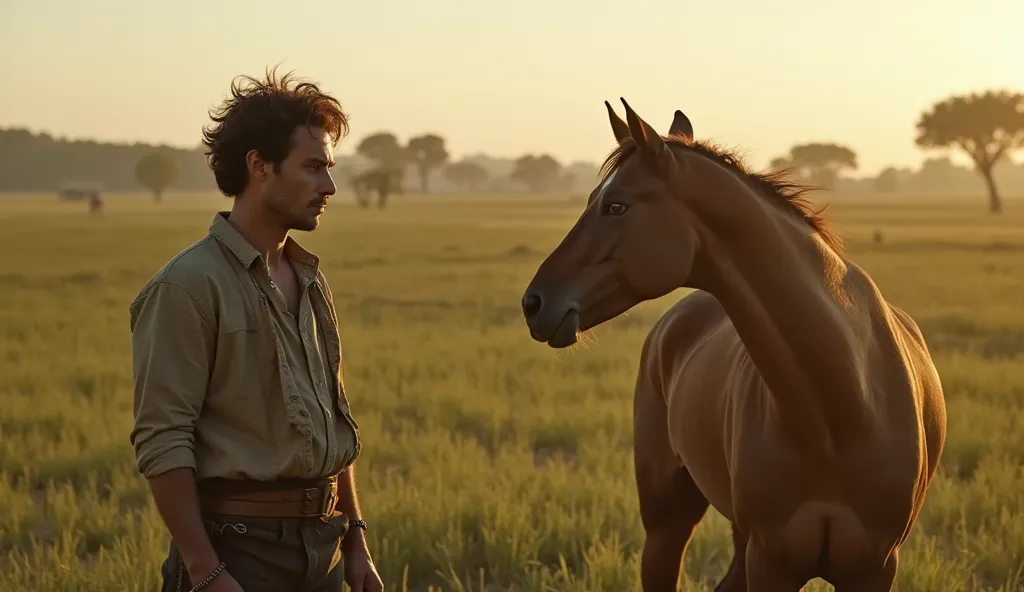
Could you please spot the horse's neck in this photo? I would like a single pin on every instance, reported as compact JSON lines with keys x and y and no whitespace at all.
{"x":787,"y":295}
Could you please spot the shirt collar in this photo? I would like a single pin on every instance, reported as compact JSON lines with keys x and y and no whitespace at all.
{"x":225,"y":232}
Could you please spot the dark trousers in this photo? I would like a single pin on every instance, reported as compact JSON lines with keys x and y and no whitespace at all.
{"x":270,"y":554}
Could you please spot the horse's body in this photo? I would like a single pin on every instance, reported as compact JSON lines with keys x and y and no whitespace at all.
{"x":785,"y":392}
{"x":708,"y":429}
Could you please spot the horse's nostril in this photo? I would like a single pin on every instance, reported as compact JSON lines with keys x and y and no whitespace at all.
{"x":531,"y":304}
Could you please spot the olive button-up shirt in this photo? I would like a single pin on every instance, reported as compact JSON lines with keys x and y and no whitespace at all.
{"x":226,"y":380}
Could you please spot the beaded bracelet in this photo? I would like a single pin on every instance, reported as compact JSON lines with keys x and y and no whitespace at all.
{"x":208,"y":579}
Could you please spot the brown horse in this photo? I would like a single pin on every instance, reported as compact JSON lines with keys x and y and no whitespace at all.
{"x":784,"y":391}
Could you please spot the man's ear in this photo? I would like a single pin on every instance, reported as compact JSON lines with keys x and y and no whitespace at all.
{"x":256,"y":166}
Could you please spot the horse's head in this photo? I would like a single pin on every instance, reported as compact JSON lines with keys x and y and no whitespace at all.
{"x":634,"y":241}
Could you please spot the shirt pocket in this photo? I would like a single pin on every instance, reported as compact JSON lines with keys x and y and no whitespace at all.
{"x":247,"y":350}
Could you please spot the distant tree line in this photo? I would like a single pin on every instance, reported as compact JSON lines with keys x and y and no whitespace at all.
{"x":41,"y":162}
{"x":985,"y":126}
{"x":390,"y":161}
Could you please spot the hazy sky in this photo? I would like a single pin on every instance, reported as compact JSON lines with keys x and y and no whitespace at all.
{"x":508,"y":77}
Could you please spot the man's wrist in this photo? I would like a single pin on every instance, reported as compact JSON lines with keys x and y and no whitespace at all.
{"x":355,"y":537}
{"x":201,"y":567}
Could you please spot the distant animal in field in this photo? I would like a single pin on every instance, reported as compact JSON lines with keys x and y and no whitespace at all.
{"x":95,"y":204}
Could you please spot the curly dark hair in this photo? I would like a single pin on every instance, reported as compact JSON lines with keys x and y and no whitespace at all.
{"x":261,"y":115}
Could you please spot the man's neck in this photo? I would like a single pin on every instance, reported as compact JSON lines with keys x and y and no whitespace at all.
{"x":266,"y":238}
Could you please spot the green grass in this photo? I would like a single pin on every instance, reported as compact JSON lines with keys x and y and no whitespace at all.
{"x":491,"y":462}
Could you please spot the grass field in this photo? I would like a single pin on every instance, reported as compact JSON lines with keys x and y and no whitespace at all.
{"x":491,"y":462}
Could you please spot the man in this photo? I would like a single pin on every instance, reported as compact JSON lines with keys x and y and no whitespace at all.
{"x":242,"y":425}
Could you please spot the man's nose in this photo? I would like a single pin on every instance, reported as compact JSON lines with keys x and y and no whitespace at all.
{"x":329,"y":188}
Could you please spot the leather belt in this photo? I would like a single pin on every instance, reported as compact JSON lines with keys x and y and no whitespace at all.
{"x":305,"y":502}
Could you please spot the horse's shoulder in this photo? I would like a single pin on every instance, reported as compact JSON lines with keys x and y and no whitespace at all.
{"x":686,"y":322}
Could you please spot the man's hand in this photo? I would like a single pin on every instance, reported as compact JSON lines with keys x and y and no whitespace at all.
{"x":360,"y":572}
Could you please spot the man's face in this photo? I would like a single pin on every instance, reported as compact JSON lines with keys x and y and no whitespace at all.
{"x":297,"y":194}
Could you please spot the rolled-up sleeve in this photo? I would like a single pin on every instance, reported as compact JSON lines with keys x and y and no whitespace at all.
{"x":172,"y":349}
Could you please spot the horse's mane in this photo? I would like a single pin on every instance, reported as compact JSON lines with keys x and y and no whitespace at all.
{"x":778,"y":186}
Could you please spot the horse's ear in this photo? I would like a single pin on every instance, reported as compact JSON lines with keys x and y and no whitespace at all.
{"x":646,"y":137}
{"x":681,"y":126}
{"x":619,"y":127}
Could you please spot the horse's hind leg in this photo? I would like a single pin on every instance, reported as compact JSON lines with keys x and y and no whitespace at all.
{"x":671,"y":505}
{"x":735,"y":579}
{"x":879,"y":581}
{"x":765,"y":573}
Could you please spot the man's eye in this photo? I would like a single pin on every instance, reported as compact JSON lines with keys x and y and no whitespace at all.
{"x":615,"y":208}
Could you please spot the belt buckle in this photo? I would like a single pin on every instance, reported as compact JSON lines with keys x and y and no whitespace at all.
{"x":328,"y":498}
{"x":307,"y":500}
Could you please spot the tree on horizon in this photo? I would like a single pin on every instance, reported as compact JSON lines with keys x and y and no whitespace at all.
{"x":817,"y":162}
{"x":540,"y":174}
{"x":427,"y":152}
{"x":465,"y":174}
{"x":986,"y":126}
{"x":156,"y":170}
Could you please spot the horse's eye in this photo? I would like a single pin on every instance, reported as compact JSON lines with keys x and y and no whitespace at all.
{"x":615,"y":208}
